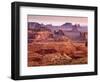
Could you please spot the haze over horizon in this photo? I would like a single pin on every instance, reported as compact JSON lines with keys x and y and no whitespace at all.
{"x":57,"y":20}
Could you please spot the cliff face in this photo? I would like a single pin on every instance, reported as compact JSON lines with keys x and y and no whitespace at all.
{"x":50,"y":53}
{"x":56,"y":53}
{"x":57,"y":47}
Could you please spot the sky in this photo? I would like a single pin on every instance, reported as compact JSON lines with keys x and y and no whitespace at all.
{"x":57,"y":20}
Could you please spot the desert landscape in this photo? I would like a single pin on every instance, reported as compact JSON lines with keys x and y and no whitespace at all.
{"x":64,"y":44}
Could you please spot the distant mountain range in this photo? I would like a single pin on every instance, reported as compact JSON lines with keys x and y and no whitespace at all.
{"x":65,"y":26}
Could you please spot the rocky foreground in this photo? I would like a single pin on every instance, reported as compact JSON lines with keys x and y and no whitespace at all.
{"x":56,"y":53}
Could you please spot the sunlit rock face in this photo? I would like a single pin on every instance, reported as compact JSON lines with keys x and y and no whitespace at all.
{"x":49,"y":46}
{"x":42,"y":35}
